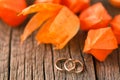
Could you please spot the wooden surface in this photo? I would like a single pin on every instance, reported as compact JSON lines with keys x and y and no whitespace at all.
{"x":32,"y":62}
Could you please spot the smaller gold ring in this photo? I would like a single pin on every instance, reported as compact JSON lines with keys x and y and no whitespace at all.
{"x":60,"y":62}
{"x":69,"y":65}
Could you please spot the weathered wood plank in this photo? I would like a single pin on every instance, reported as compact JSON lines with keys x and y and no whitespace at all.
{"x":48,"y":63}
{"x":26,"y":59}
{"x":18,"y":64}
{"x":38,"y":63}
{"x":76,"y":53}
{"x":118,"y":54}
{"x":109,"y":69}
{"x":64,"y":53}
{"x":5,"y":33}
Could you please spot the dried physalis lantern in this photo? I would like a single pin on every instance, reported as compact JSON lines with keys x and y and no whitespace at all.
{"x":48,"y":1}
{"x":100,"y":43}
{"x":94,"y":17}
{"x":76,"y":5}
{"x":115,"y":24}
{"x":115,"y":3}
{"x":60,"y":24}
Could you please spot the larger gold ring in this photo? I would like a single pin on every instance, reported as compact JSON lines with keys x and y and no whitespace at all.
{"x":59,"y":64}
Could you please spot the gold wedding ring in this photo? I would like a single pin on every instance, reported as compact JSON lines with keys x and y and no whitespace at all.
{"x":79,"y":66}
{"x":69,"y":65}
{"x":59,"y":64}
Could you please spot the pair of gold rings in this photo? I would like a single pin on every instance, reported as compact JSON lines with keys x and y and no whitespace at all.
{"x":69,"y":65}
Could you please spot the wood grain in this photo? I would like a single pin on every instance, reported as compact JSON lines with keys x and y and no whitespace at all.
{"x":5,"y":33}
{"x":30,"y":61}
{"x":26,"y":59}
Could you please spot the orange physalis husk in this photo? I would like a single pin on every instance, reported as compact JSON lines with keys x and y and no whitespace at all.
{"x":59,"y":29}
{"x":37,"y":20}
{"x":115,"y":24}
{"x":100,"y":43}
{"x":48,"y":1}
{"x":41,"y":7}
{"x":60,"y":24}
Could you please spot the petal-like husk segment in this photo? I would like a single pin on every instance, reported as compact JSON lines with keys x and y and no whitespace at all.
{"x":48,"y":1}
{"x":118,"y":38}
{"x":94,"y":17}
{"x":115,"y":24}
{"x":60,"y":29}
{"x":106,"y":41}
{"x":102,"y":38}
{"x":37,"y":20}
{"x":40,"y":7}
{"x":100,"y":54}
{"x":100,"y":43}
